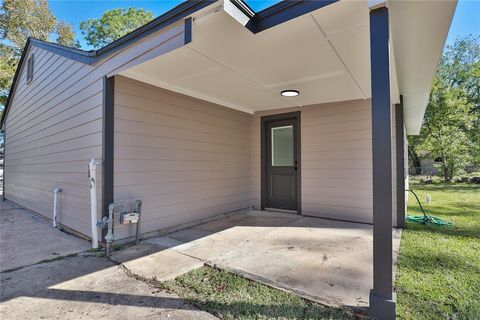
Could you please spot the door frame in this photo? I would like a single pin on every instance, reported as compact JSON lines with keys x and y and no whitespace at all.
{"x":263,"y":152}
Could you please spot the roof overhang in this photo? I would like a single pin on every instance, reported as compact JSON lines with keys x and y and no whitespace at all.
{"x":244,"y":63}
{"x":243,"y":60}
{"x":419,"y":30}
{"x":322,"y":49}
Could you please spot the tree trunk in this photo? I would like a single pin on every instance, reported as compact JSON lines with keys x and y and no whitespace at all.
{"x":446,"y":173}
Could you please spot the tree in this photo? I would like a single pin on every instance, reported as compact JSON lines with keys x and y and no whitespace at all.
{"x":460,"y":68}
{"x":8,"y":63}
{"x":113,"y":24}
{"x":19,"y":20}
{"x":451,"y":126}
{"x":66,"y":35}
{"x":444,"y":133}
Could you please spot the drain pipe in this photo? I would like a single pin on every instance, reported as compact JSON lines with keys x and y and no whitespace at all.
{"x":55,"y":206}
{"x":109,"y":223}
{"x":92,"y":174}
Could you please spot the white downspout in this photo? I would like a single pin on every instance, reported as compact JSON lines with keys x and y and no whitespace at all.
{"x":92,"y":167}
{"x":55,"y":206}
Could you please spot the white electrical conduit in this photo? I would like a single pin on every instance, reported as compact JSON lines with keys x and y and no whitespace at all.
{"x":92,"y":174}
{"x":55,"y":206}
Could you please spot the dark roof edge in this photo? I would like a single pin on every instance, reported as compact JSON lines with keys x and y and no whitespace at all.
{"x":90,"y":57}
{"x":244,"y":7}
{"x":179,"y":12}
{"x":282,"y":12}
{"x":71,"y":53}
{"x":12,"y":87}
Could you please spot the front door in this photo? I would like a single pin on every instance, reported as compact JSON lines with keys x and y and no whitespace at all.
{"x":281,"y":176}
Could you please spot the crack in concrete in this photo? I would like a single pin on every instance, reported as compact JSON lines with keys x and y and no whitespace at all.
{"x":58,"y":258}
{"x":153,"y":282}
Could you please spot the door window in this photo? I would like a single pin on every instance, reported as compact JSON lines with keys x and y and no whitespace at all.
{"x":282,"y":146}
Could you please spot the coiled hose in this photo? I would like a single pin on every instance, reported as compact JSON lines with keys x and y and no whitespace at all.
{"x":426,"y":219}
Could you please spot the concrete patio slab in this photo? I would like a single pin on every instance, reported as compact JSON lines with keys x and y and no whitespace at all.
{"x":86,"y":287}
{"x":24,"y":238}
{"x":323,"y":260}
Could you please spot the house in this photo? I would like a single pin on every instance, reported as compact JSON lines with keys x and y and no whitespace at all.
{"x":213,"y":107}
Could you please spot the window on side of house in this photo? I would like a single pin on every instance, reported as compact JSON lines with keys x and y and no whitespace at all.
{"x":30,"y":69}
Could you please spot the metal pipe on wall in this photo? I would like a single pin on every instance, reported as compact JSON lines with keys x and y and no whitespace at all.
{"x":92,"y":174}
{"x":55,"y":206}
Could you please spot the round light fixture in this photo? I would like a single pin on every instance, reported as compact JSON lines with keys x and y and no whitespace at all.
{"x":290,"y":93}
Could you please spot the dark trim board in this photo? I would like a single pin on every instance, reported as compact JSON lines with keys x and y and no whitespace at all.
{"x":4,"y":161}
{"x":108,"y":140}
{"x":188,"y":31}
{"x":263,"y":155}
{"x":382,"y":298}
{"x":400,"y":158}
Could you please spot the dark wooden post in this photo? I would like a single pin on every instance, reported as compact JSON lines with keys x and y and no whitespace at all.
{"x":400,"y":147}
{"x":382,"y":299}
{"x":107,"y":153}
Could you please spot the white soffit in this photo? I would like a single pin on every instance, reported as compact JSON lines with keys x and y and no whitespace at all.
{"x":325,"y":55}
{"x":418,"y":31}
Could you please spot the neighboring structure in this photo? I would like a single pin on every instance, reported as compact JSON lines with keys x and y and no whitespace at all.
{"x":186,"y":113}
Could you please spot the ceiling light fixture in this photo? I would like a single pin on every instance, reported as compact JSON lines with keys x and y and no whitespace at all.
{"x":290,"y":93}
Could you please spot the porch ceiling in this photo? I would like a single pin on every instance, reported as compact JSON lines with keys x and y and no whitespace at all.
{"x":324,"y":55}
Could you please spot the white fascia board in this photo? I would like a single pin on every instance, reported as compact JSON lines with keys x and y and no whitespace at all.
{"x":235,"y":12}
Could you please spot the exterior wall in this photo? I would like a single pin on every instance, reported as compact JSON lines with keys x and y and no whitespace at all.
{"x":186,"y":159}
{"x":54,"y":126}
{"x":336,"y":160}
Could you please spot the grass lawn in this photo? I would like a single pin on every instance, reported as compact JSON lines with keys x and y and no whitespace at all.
{"x":438,"y":275}
{"x":229,"y":296}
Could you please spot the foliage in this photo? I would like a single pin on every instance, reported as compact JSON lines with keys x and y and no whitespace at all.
{"x":461,"y":69}
{"x":438,"y":272}
{"x":451,"y":128}
{"x":113,"y":24}
{"x":8,"y":63}
{"x":19,"y":20}
{"x":66,"y":35}
{"x":444,"y":133}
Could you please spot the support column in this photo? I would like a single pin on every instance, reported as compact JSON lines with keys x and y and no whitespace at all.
{"x":382,"y":298}
{"x":107,"y":152}
{"x":400,"y":150}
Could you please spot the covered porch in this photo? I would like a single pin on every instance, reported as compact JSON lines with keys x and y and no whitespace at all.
{"x":190,"y":133}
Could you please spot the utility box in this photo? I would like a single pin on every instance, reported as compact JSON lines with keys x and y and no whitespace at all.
{"x":129,"y":217}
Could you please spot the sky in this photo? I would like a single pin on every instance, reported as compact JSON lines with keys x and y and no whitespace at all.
{"x":466,"y":20}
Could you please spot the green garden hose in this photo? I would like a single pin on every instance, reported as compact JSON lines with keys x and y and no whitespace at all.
{"x":426,"y":218}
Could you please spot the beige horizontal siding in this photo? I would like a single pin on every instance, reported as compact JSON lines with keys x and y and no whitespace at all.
{"x":54,"y":127}
{"x":336,"y":160}
{"x":185,"y":158}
